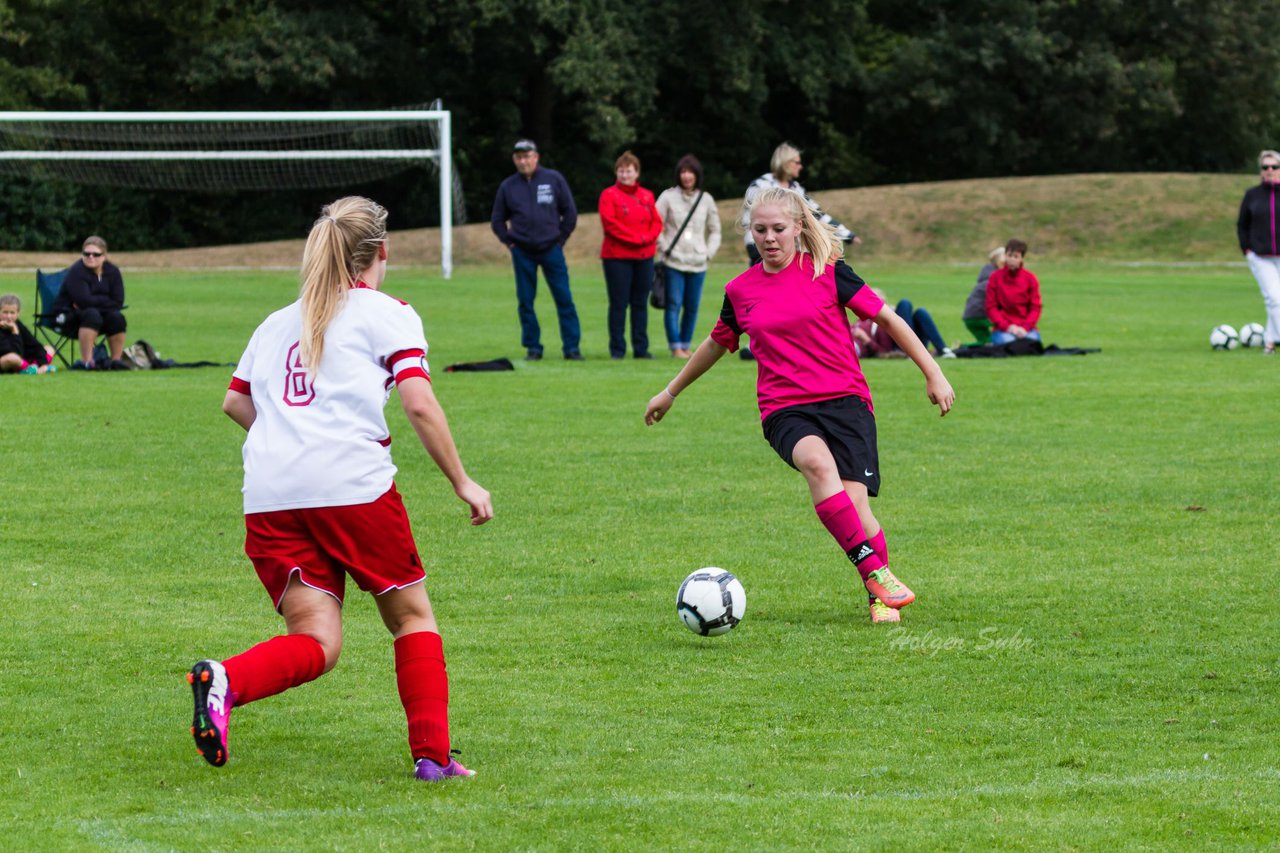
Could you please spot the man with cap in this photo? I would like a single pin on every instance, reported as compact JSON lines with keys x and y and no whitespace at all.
{"x":533,"y":215}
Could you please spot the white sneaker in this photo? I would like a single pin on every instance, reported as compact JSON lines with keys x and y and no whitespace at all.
{"x":947,"y":352}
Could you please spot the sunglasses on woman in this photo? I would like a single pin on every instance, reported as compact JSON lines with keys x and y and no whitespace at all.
{"x":92,"y":254}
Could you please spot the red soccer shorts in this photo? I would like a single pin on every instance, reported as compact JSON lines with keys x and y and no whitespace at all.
{"x":371,"y":542}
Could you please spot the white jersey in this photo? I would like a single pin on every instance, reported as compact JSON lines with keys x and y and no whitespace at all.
{"x":321,"y":439}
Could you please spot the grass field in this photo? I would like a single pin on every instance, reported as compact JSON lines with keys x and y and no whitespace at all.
{"x":1090,"y":665}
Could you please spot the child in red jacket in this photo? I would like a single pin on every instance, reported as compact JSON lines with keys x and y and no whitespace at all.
{"x":1013,"y":298}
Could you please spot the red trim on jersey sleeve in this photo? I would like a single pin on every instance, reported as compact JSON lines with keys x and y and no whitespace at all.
{"x":725,"y":336}
{"x":407,"y":363}
{"x":385,"y":442}
{"x":410,"y":372}
{"x":404,"y":353}
{"x":239,"y":386}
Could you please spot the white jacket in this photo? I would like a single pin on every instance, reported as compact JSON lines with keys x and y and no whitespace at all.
{"x":701,"y":238}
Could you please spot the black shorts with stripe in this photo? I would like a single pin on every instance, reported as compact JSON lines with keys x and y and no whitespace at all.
{"x":845,"y":424}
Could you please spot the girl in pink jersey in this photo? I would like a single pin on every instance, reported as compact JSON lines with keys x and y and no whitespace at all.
{"x":814,"y":401}
{"x":320,"y":499}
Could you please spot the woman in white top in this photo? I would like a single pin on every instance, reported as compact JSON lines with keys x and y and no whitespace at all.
{"x":686,"y":259}
{"x":319,"y":494}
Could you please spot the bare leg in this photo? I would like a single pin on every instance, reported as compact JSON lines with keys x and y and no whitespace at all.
{"x":87,"y":337}
{"x":317,"y":614}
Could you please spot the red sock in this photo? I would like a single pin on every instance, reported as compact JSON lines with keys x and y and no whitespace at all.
{"x":840,"y":517}
{"x":273,"y":667}
{"x":424,"y":692}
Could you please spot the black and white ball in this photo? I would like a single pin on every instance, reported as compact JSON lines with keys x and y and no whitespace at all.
{"x":1251,"y":335}
{"x":711,"y":601}
{"x":1224,"y":337}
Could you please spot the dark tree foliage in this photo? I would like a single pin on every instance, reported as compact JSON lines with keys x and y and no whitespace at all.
{"x":874,"y":91}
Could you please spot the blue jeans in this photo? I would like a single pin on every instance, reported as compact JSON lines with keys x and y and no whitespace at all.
{"x":628,"y":283}
{"x":684,"y":290}
{"x":556,"y":272}
{"x":921,"y":322}
{"x":999,"y":338}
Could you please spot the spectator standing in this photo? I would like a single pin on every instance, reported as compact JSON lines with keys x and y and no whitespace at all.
{"x":92,"y":302}
{"x":1013,"y":298}
{"x":1260,"y":242}
{"x":686,"y":204}
{"x":785,"y":167}
{"x":533,"y":216}
{"x":975,"y":307}
{"x":631,"y":224}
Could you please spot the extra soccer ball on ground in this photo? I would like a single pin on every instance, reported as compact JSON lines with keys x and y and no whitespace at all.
{"x":1251,"y":335}
{"x":711,"y":601}
{"x":1224,"y":337}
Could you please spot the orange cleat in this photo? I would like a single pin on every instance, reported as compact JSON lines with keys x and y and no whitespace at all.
{"x":881,"y":612}
{"x":883,"y":585}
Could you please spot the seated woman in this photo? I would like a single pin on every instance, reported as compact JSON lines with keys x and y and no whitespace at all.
{"x":874,"y":342}
{"x":1013,"y":298}
{"x":92,"y":298}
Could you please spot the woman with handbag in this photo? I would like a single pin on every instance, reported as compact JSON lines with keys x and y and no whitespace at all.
{"x":689,"y":239}
{"x":631,"y":224}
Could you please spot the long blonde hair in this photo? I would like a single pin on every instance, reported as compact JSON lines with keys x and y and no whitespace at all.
{"x":817,"y":238}
{"x":343,"y":243}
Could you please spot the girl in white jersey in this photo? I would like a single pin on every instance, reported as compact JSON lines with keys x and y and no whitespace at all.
{"x":814,"y":401}
{"x":319,"y":497}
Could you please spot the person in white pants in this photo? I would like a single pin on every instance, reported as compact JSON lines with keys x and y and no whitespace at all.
{"x":1256,"y":228}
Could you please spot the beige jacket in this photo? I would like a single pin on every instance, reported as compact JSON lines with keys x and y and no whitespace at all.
{"x":701,"y":238}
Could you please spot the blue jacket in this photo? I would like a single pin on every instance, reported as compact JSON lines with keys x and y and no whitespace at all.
{"x":540,"y":211}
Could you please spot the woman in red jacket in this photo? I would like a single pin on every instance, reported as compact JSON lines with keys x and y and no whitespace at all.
{"x":631,"y":226}
{"x":1013,"y":298}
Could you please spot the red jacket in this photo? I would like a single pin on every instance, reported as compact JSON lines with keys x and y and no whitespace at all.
{"x":1013,"y":298}
{"x":631,"y":222}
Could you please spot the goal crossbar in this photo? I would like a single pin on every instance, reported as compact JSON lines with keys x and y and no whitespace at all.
{"x":440,"y":155}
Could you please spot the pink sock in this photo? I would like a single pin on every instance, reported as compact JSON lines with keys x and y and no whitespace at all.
{"x":840,"y":518}
{"x":273,"y":667}
{"x":880,"y":546}
{"x":424,"y":692}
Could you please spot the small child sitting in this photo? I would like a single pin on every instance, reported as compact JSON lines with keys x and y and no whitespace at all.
{"x":20,"y":352}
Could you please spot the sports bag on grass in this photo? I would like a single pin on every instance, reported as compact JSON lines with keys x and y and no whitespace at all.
{"x":658,"y":288}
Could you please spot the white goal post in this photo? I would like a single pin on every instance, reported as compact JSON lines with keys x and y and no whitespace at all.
{"x":93,"y":141}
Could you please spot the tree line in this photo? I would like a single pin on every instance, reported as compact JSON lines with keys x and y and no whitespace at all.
{"x":873,"y":91}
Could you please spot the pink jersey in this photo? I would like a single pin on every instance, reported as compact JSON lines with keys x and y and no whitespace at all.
{"x":799,"y":331}
{"x":320,"y":439}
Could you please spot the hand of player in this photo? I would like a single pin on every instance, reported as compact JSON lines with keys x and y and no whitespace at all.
{"x":478,"y":499}
{"x":940,"y":394}
{"x":1017,"y":331}
{"x":659,"y":405}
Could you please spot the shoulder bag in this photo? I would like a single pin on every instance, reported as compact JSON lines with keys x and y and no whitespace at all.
{"x":658,"y":288}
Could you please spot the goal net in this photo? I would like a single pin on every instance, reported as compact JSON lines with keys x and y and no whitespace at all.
{"x":236,"y":151}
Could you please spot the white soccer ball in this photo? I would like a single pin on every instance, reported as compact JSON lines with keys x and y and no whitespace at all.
{"x":1224,"y":337}
{"x":1251,"y":335}
{"x":711,"y":601}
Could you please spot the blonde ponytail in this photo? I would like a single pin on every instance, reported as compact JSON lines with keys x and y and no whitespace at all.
{"x":342,"y":244}
{"x":817,"y":238}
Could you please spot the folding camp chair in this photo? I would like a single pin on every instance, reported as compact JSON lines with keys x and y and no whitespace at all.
{"x":48,"y":329}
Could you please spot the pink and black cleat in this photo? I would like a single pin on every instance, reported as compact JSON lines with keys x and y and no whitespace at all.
{"x":208,"y":680}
